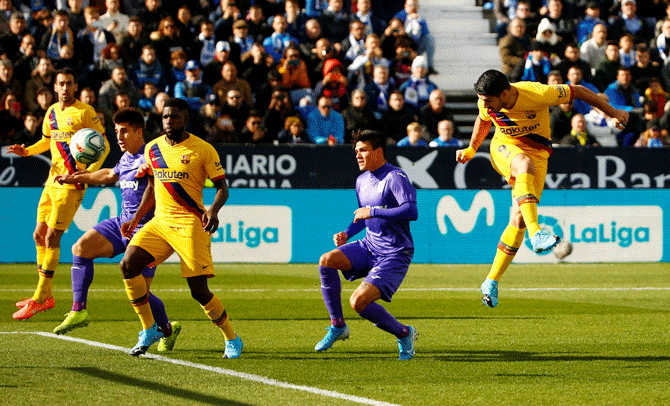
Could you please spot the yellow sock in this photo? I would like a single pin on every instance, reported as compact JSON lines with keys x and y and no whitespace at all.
{"x":217,"y":314}
{"x":49,"y":263}
{"x":509,"y":244}
{"x":136,"y":288}
{"x":524,"y":190}
{"x":41,"y":249}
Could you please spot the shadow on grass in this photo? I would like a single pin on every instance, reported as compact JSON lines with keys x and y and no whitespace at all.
{"x":154,"y":386}
{"x":524,"y":356}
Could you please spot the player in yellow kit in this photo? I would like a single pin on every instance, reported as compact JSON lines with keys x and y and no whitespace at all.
{"x":180,"y":163}
{"x":58,"y":203}
{"x":520,"y":151}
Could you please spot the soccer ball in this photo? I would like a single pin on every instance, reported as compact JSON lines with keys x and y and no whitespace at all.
{"x":563,"y":249}
{"x":87,"y":146}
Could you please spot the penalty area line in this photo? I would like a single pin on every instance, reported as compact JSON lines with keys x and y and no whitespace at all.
{"x":217,"y":370}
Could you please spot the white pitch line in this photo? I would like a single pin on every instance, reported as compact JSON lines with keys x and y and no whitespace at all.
{"x":531,"y":289}
{"x":222,"y":371}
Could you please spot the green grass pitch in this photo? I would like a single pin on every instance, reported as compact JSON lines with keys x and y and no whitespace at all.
{"x":566,"y":334}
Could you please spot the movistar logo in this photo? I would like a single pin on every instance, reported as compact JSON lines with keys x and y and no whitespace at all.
{"x":464,"y":221}
{"x":169,"y":175}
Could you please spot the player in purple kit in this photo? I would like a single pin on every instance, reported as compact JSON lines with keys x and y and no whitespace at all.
{"x":387,"y":203}
{"x":105,"y":239}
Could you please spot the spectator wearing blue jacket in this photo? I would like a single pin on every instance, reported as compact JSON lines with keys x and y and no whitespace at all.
{"x":325,"y":125}
{"x":417,"y":88}
{"x":193,"y":89}
{"x":275,"y":44}
{"x":413,"y":138}
{"x":537,"y":65}
{"x":417,"y":28}
{"x":574,"y":79}
{"x":623,"y":95}
{"x":148,"y":69}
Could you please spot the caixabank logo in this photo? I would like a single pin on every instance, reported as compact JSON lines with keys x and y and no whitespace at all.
{"x":602,"y":233}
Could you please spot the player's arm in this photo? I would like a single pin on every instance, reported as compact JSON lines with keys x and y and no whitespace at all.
{"x":406,"y":211}
{"x":37,"y":148}
{"x":99,"y":177}
{"x":148,"y":202}
{"x":210,"y":220}
{"x":479,"y":133}
{"x":582,"y":93}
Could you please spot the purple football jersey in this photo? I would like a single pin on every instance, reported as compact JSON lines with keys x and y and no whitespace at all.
{"x":386,"y":188}
{"x":132,"y":188}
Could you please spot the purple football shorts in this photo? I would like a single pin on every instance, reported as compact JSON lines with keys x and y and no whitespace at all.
{"x":111,"y":230}
{"x":384,"y":272}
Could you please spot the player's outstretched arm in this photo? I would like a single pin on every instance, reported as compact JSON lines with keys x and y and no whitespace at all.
{"x":148,"y":202}
{"x":210,"y":220}
{"x":99,"y":177}
{"x":479,"y":133}
{"x":620,"y":117}
{"x":18,"y":149}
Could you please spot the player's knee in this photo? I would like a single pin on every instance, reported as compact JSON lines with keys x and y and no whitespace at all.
{"x":358,"y":303}
{"x":38,"y":238}
{"x":326,"y":260}
{"x":523,"y":164}
{"x":78,"y":249}
{"x":202,"y":296}
{"x":128,"y":269}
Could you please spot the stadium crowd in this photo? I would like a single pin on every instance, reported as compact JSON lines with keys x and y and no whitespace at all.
{"x":251,"y":71}
{"x":618,"y":49}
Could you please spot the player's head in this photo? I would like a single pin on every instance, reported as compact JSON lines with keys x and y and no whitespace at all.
{"x":175,"y":117}
{"x":65,"y":85}
{"x":370,"y":147}
{"x":129,"y":127}
{"x":492,"y":87}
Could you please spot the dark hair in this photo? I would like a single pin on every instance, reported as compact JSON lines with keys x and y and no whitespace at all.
{"x":492,"y":83}
{"x":254,"y":113}
{"x":377,"y":139}
{"x":129,"y":116}
{"x":641,"y":48}
{"x":66,"y":71}
{"x":177,"y":103}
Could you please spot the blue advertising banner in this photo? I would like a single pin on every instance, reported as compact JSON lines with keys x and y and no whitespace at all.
{"x":454,"y":226}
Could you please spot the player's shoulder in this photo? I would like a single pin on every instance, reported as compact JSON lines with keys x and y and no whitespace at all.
{"x":395,"y":172}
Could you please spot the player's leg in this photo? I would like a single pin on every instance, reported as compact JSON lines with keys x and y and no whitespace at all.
{"x":331,"y":287}
{"x":38,"y":236}
{"x":170,"y":330}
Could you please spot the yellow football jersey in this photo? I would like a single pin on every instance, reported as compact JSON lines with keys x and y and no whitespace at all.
{"x":179,"y":173}
{"x":57,"y":129}
{"x":530,"y":115}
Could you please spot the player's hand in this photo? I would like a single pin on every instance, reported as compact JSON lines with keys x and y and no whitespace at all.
{"x":127,"y":229}
{"x":620,"y":119}
{"x":210,"y":222}
{"x":144,"y":169}
{"x":362,"y":213}
{"x":17,"y":149}
{"x":340,"y":239}
{"x":464,"y":155}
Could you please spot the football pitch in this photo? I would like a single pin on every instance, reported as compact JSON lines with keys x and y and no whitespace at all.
{"x":566,"y":334}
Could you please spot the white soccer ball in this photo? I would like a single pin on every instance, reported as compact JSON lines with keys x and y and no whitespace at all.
{"x":563,"y":249}
{"x":87,"y":146}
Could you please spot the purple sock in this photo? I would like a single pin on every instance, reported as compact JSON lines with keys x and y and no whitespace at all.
{"x":158,"y":309}
{"x":82,"y":277}
{"x":384,"y":320}
{"x":331,"y":289}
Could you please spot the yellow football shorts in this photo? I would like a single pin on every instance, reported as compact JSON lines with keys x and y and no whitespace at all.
{"x":192,"y":244}
{"x":503,"y":152}
{"x":58,"y":206}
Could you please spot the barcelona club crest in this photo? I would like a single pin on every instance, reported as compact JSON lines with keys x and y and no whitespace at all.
{"x":185,"y":159}
{"x":70,"y":121}
{"x":530,"y":114}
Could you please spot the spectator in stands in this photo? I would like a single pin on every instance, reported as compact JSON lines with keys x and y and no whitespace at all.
{"x":607,"y":70}
{"x":523,"y":11}
{"x":293,"y":132}
{"x":434,"y":112}
{"x":258,"y":27}
{"x":118,"y":83}
{"x":587,"y":24}
{"x":236,"y":109}
{"x":31,"y":132}
{"x":325,"y":125}
{"x":77,"y":21}
{"x":212,"y":71}
{"x":10,"y":40}
{"x":147,"y":101}
{"x":92,"y":40}
{"x":279,"y":40}
{"x":572,"y":58}
{"x":550,"y":42}
{"x":273,"y":120}
{"x":114,"y":20}
{"x":575,"y":78}
{"x":193,"y":89}
{"x":10,"y":116}
{"x":417,"y":29}
{"x":565,"y":25}
{"x":654,"y":92}
{"x":87,"y":95}
{"x":559,"y":121}
{"x":396,"y":119}
{"x":111,"y":57}
{"x":333,"y":85}
{"x":537,"y":65}
{"x":335,"y":21}
{"x":357,"y":116}
{"x":189,"y":27}
{"x":204,"y":48}
{"x":661,"y":44}
{"x":148,"y":69}
{"x":241,"y":37}
{"x":308,"y":42}
{"x":6,"y":11}
{"x":418,"y":88}
{"x":653,"y":137}
{"x":42,"y":76}
{"x":42,"y":22}
{"x":593,"y":49}
{"x":295,"y":78}
{"x":264,"y":94}
{"x":414,"y":137}
{"x":121,"y":102}
{"x":224,"y":131}
{"x":7,"y":80}
{"x":625,"y":96}
{"x":629,"y":22}
{"x":354,"y":45}
{"x":579,"y":135}
{"x":25,"y":59}
{"x":644,"y":69}
{"x":134,"y":40}
{"x":393,"y":31}
{"x":513,"y":48}
{"x":253,"y":131}
{"x":445,"y":136}
{"x":314,"y":8}
{"x":601,"y":126}
{"x":210,"y":113}
{"x":378,"y":91}
{"x":364,"y":14}
{"x":152,"y":15}
{"x":295,"y":19}
{"x":229,"y":80}
{"x":361,"y":69}
{"x":320,"y":54}
{"x":44,"y":100}
{"x":154,"y":122}
{"x":255,"y":68}
{"x":626,"y":50}
{"x":177,"y":71}
{"x":166,"y":40}
{"x":555,"y":78}
{"x":58,"y":35}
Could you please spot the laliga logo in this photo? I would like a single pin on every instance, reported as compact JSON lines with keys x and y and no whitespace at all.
{"x":464,"y":221}
{"x":85,"y":218}
{"x":554,"y":227}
